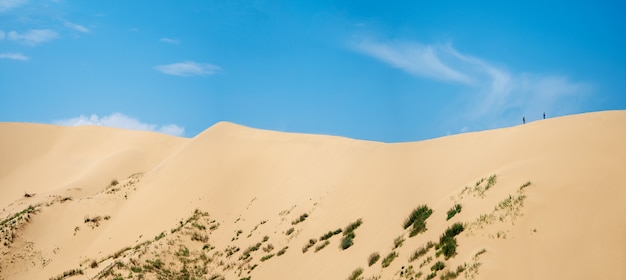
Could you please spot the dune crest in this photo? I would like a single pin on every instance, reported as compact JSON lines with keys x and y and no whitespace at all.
{"x":537,"y":201}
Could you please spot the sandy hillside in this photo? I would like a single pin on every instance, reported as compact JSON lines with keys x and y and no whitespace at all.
{"x":545,"y":200}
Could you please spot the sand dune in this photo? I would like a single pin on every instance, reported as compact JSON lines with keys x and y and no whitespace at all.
{"x":543,"y":200}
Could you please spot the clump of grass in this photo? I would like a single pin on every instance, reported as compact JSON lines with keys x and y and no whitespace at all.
{"x":373,"y":258}
{"x":246,"y":254}
{"x":268,"y":248}
{"x":93,"y":264}
{"x":448,"y":274}
{"x":69,"y":273}
{"x":282,"y":251}
{"x":348,"y":234}
{"x":447,"y":242}
{"x":330,"y":234}
{"x":199,"y":237}
{"x":114,"y":182}
{"x":300,"y":219}
{"x":266,"y":238}
{"x":356,"y":274}
{"x":156,"y":238}
{"x":289,"y":231}
{"x":306,"y":247}
{"x":322,"y":246}
{"x":453,"y":211}
{"x":417,"y":219}
{"x":439,"y":265}
{"x":525,"y":185}
{"x":388,"y":259}
{"x":397,"y":243}
{"x":266,"y":257}
{"x":421,"y":251}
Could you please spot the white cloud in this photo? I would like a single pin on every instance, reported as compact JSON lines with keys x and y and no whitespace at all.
{"x":33,"y":37}
{"x":14,"y":56}
{"x":6,"y":5}
{"x":170,"y":41}
{"x":76,"y":27}
{"x":188,"y":68}
{"x":497,"y":97}
{"x":414,"y":58}
{"x":2,"y":35}
{"x":119,"y":120}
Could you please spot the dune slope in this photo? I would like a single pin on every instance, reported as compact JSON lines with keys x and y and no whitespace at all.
{"x":543,"y":200}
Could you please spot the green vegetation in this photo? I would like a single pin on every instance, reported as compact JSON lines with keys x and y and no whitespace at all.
{"x":388,"y":259}
{"x":156,"y":238}
{"x":421,"y":251}
{"x":266,"y":257}
{"x":69,"y":273}
{"x":447,"y":242}
{"x":306,"y":247}
{"x":289,"y":231}
{"x":397,"y":243}
{"x":330,"y":234}
{"x":300,"y":219}
{"x":322,"y":246}
{"x":417,"y":219}
{"x":356,"y":274}
{"x":373,"y":258}
{"x":453,"y":211}
{"x":448,"y":274}
{"x":282,"y":251}
{"x":114,"y":182}
{"x":348,"y":234}
{"x":439,"y":265}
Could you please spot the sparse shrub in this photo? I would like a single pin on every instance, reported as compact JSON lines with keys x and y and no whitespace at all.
{"x":431,"y":276}
{"x":421,"y":251}
{"x":356,"y":274}
{"x":439,"y":265}
{"x":420,"y":213}
{"x":330,"y":234}
{"x":135,"y":269}
{"x":388,"y":259}
{"x":347,"y":242}
{"x":282,"y":251}
{"x":289,"y":231}
{"x":453,"y":211}
{"x":93,"y":264}
{"x":351,"y":227}
{"x":156,"y":238}
{"x":455,"y":229}
{"x":155,"y":263}
{"x":266,"y":257}
{"x":114,"y":182}
{"x":306,"y":247}
{"x":300,"y":219}
{"x":107,"y":217}
{"x":373,"y":258}
{"x":419,"y":226}
{"x":322,"y":246}
{"x":397,"y":243}
{"x":268,"y":248}
{"x":266,"y":238}
{"x":199,"y":237}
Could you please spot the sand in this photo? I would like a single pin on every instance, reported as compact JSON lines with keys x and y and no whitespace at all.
{"x":250,"y":186}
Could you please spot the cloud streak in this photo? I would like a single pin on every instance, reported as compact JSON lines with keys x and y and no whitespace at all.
{"x":6,"y":5}
{"x":33,"y":37}
{"x":14,"y":56}
{"x":119,"y":120}
{"x":170,"y":41}
{"x":497,"y":97}
{"x":76,"y":27}
{"x":188,"y":68}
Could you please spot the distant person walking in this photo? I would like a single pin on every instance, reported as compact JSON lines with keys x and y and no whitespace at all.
{"x":544,"y":115}
{"x":523,"y":120}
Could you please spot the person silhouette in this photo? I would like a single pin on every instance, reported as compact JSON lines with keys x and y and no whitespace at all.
{"x":523,"y":120}
{"x":544,"y":115}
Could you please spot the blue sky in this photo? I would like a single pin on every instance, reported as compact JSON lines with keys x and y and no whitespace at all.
{"x":377,"y":70}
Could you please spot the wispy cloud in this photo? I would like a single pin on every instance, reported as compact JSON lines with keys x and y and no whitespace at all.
{"x":170,"y":41}
{"x":14,"y":56}
{"x":414,"y":58}
{"x":75,"y":26}
{"x":33,"y":37}
{"x":497,"y":97}
{"x":6,"y":5}
{"x":2,"y":35}
{"x":119,"y":120}
{"x":188,"y":68}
